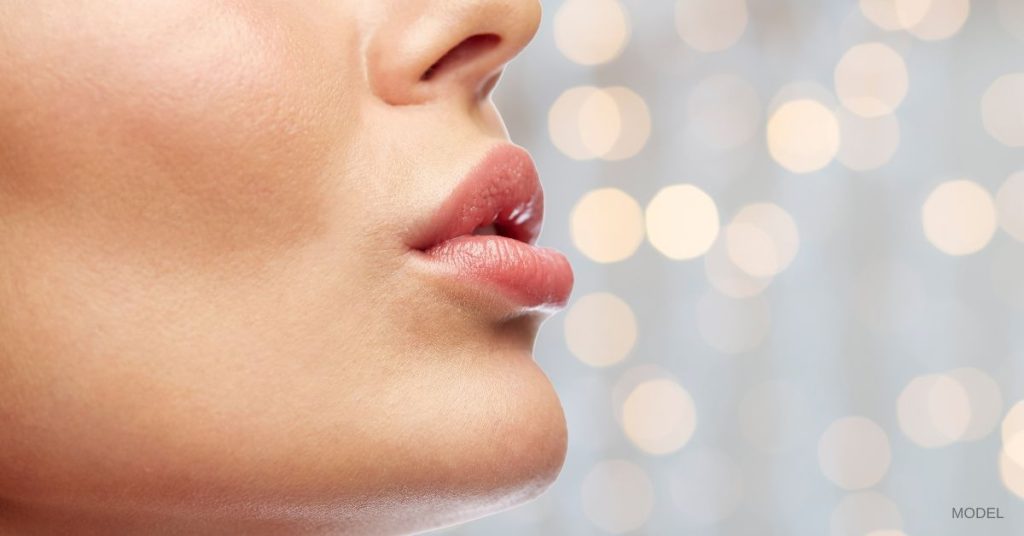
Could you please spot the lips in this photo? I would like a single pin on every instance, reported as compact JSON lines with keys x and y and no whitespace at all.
{"x":483,"y":235}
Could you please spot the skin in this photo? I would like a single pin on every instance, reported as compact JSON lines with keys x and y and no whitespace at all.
{"x":208,"y":319}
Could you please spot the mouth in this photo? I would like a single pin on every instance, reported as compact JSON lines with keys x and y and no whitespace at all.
{"x":483,"y":235}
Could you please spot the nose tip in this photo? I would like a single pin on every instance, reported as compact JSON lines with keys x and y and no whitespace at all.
{"x":447,"y":49}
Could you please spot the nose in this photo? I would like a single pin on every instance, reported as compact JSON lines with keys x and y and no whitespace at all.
{"x":427,"y":50}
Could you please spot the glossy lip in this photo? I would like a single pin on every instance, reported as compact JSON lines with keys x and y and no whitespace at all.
{"x":502,"y":191}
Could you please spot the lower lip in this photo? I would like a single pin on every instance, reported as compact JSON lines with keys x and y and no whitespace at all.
{"x":533,"y":277}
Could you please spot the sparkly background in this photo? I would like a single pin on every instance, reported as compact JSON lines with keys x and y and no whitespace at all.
{"x":797,"y":231}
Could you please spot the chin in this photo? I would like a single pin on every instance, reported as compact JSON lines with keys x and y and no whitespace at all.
{"x":463,"y":442}
{"x":492,"y":455}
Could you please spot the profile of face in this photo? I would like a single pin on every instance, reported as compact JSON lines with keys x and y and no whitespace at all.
{"x":265,"y":267}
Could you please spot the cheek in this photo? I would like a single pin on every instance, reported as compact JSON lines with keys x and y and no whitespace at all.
{"x":213,"y":132}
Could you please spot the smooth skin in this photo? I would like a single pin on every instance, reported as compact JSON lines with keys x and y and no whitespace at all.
{"x":209,"y":323}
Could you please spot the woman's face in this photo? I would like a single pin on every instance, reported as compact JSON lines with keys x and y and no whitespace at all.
{"x":226,"y":298}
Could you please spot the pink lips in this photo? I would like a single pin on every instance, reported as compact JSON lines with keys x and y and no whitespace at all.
{"x":484,"y":232}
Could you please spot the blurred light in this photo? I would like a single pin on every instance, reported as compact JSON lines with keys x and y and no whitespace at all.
{"x":986,"y":401}
{"x":629,"y":380}
{"x":1014,"y":448}
{"x":853,"y":453}
{"x":867,"y":512}
{"x":564,"y":122}
{"x":882,"y":13}
{"x":1011,"y":16}
{"x":803,"y":136}
{"x":658,"y":416}
{"x":1011,"y":456}
{"x":723,"y":111}
{"x":727,"y":278}
{"x":617,"y":496}
{"x":933,"y":410}
{"x":600,"y":123}
{"x":711,"y":25}
{"x":1002,"y":109}
{"x":932,"y":20}
{"x":1013,"y":422}
{"x":762,"y":239}
{"x":600,"y":329}
{"x":862,"y":118}
{"x":912,"y":12}
{"x":635,"y":121}
{"x":733,"y":326}
{"x":1010,"y":204}
{"x":586,"y":122}
{"x":590,"y":32}
{"x":1011,"y":473}
{"x":607,"y":225}
{"x":871,"y":79}
{"x":959,"y":217}
{"x":706,"y":486}
{"x":682,"y":221}
{"x":771,"y":416}
{"x":802,"y":90}
{"x":751,"y":249}
{"x":867,"y":143}
{"x":929,"y":20}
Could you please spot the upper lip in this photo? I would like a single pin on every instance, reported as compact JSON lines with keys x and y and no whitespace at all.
{"x":502,"y":190}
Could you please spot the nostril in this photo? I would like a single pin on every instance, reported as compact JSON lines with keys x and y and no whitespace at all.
{"x":469,"y":48}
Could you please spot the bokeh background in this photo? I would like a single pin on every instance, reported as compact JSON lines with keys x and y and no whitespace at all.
{"x":797,"y":232}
